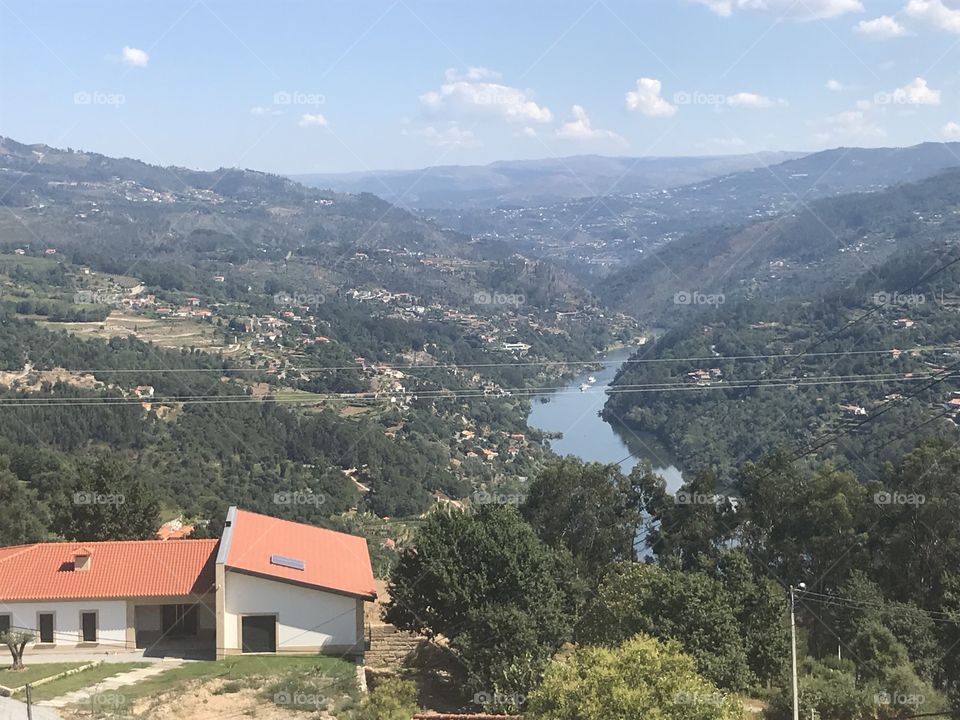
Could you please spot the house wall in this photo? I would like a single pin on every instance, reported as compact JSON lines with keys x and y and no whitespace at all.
{"x":111,"y":621}
{"x":308,"y":620}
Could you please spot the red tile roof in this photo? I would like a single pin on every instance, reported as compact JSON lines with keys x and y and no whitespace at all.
{"x":332,"y":560}
{"x":121,"y":569}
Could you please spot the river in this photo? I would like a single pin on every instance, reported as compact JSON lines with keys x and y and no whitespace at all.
{"x":588,"y":436}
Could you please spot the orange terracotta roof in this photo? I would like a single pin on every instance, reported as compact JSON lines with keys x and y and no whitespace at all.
{"x":121,"y":569}
{"x":331,"y":560}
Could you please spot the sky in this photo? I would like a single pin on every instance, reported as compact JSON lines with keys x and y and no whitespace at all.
{"x":292,"y":86}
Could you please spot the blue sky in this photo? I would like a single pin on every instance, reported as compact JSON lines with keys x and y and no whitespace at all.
{"x":329,"y":85}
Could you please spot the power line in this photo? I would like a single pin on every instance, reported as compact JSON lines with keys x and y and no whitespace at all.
{"x":530,"y":363}
{"x":479,"y":393}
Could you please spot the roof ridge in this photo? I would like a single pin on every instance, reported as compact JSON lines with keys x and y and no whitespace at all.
{"x":21,"y":551}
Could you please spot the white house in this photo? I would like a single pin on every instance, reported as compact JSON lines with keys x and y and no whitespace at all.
{"x":266,"y":586}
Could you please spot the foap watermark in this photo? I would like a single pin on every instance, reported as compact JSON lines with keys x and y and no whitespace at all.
{"x":910,"y":700}
{"x":88,"y":497}
{"x":896,"y":298}
{"x":898,"y":498}
{"x":95,"y":97}
{"x":695,"y":97}
{"x":482,"y":497}
{"x":105,"y":700}
{"x":298,"y":298}
{"x":688,"y":498}
{"x":97,"y":297}
{"x":495,"y":298}
{"x":697,"y":698}
{"x":297,"y":97}
{"x":695,"y":297}
{"x":298,"y":497}
{"x":293,"y":698}
{"x":485,"y":697}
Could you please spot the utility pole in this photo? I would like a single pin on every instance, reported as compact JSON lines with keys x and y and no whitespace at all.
{"x":793,"y":650}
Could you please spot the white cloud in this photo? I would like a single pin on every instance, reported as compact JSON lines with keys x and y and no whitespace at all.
{"x":308,"y":120}
{"x":451,"y":137}
{"x":723,"y":8}
{"x":260,"y":110}
{"x":936,"y":13}
{"x":474,"y":94}
{"x":134,"y":57}
{"x":950,"y":131}
{"x":834,"y":86}
{"x":916,"y":92}
{"x":580,"y":128}
{"x":750,"y":100}
{"x":647,"y":99}
{"x":850,"y":126}
{"x":881,"y":28}
{"x":792,"y":9}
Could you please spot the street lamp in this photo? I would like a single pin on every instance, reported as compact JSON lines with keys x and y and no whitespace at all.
{"x":793,"y":647}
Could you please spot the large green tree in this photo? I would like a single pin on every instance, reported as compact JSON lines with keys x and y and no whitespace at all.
{"x":23,"y":518}
{"x":485,"y":582}
{"x":590,"y":509}
{"x":689,"y":607}
{"x":107,"y":500}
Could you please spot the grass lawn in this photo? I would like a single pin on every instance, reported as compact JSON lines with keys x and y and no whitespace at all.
{"x":32,"y":673}
{"x":83,"y":679}
{"x":278,"y":679}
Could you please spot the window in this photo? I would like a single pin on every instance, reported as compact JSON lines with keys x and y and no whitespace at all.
{"x":4,"y":623}
{"x":179,"y":620}
{"x":88,"y":626}
{"x":45,"y":626}
{"x":258,"y":633}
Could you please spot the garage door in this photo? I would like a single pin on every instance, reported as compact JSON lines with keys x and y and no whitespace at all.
{"x":259,"y":633}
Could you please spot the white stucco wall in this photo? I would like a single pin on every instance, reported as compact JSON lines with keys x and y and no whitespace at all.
{"x":307,"y":618}
{"x":111,"y":619}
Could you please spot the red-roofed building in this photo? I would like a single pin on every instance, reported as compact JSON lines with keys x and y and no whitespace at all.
{"x":267,"y":585}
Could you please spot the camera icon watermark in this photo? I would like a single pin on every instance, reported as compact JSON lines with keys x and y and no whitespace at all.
{"x":684,"y":497}
{"x":495,"y":298}
{"x":95,"y":97}
{"x":482,"y":497}
{"x":697,"y":698}
{"x":695,"y":97}
{"x":485,"y":697}
{"x":88,"y":497}
{"x":299,"y":699}
{"x":106,"y":700}
{"x":896,"y":298}
{"x":297,"y":97}
{"x":298,"y":298}
{"x":298,"y":497}
{"x":695,"y":297}
{"x":96,"y":297}
{"x":910,"y":700}
{"x":898,"y":498}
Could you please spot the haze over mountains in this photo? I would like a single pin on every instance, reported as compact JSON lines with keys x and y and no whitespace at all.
{"x":537,"y":182}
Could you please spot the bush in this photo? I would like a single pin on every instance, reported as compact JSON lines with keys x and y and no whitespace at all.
{"x":391,"y":699}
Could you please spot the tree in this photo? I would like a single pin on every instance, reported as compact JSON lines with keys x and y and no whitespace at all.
{"x":24,"y":518}
{"x":642,"y":678}
{"x":689,"y":607}
{"x":487,"y":584}
{"x":590,"y":509}
{"x":16,"y":641}
{"x":108,"y":501}
{"x":391,"y":699}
